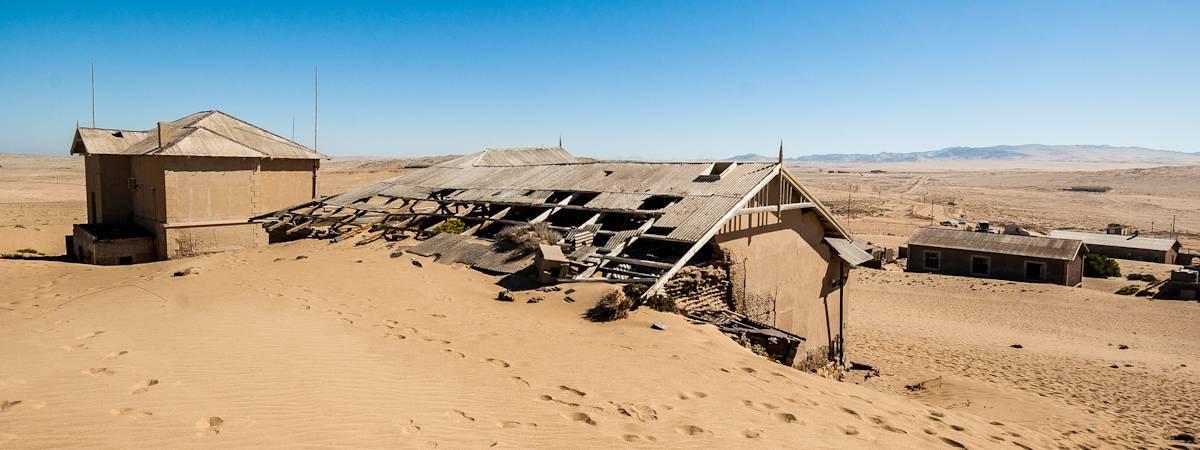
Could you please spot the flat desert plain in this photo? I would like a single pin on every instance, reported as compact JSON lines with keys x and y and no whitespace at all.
{"x":311,"y":344}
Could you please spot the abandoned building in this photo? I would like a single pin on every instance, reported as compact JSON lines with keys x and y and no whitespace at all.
{"x":1183,"y":284}
{"x":719,"y":237}
{"x":1033,"y":259}
{"x":1134,"y":247}
{"x":185,"y":187}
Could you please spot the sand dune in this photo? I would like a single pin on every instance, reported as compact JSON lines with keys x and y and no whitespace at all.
{"x":349,"y":347}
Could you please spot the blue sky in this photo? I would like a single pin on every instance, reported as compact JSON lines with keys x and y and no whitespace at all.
{"x":652,"y":79}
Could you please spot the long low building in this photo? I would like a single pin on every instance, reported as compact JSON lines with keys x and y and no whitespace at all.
{"x":1033,"y":259}
{"x":1119,"y":246}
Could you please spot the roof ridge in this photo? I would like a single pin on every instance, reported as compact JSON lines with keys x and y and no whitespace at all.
{"x":210,"y":130}
{"x":187,"y":131}
{"x":256,"y":127}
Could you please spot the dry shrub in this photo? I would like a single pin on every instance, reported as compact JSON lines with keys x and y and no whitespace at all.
{"x":452,"y":226}
{"x":613,"y":306}
{"x":525,"y":238}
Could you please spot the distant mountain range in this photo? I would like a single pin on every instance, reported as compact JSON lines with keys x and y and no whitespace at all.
{"x":1028,"y":152}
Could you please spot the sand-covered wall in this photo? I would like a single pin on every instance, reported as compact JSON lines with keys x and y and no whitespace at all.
{"x":790,"y":261}
{"x":206,"y":189}
{"x":1001,"y":266}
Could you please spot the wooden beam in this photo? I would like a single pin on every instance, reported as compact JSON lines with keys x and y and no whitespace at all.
{"x":471,"y":231}
{"x":636,"y":262}
{"x":547,"y":213}
{"x":776,"y":208}
{"x":616,"y":249}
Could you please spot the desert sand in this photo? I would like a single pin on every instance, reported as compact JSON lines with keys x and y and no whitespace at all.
{"x":310,"y":344}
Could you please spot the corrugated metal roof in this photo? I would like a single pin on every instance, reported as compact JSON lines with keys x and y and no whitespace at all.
{"x":1117,"y":240}
{"x":621,"y":185}
{"x":206,"y":133}
{"x":1031,"y":246}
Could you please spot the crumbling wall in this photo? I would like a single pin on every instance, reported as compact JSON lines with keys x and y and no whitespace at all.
{"x":191,"y":241}
{"x":701,"y":288}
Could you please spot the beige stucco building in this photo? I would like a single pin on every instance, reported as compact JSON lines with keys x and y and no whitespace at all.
{"x":185,"y":187}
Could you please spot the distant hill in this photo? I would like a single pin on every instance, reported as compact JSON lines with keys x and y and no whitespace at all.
{"x":1028,"y":152}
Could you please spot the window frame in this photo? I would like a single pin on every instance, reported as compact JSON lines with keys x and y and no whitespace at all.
{"x":986,"y":259}
{"x":925,"y":259}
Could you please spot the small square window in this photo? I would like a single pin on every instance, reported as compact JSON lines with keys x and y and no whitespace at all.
{"x":933,"y":260}
{"x":981,"y":265}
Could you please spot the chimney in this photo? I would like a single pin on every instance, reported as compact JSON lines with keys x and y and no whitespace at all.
{"x":164,"y":134}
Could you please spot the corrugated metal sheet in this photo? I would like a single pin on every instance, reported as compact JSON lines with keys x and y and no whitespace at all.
{"x":473,"y":252}
{"x":848,"y":251}
{"x":509,"y":157}
{"x":205,"y":134}
{"x":1117,"y":240}
{"x":1031,"y":246}
{"x":621,"y":185}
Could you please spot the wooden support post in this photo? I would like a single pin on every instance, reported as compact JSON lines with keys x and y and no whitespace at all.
{"x":500,"y":215}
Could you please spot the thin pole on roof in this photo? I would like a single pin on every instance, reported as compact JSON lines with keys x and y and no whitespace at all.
{"x":293,"y":128}
{"x":93,"y":95}
{"x":316,"y":93}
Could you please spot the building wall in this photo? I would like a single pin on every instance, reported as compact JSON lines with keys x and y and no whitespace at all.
{"x":1001,"y":266}
{"x":90,"y":250}
{"x":1166,"y":257}
{"x":790,"y":261}
{"x":209,"y":189}
{"x":196,"y":240}
{"x":107,"y":181}
{"x":284,"y":182}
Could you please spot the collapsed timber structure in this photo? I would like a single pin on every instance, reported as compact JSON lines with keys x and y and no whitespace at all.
{"x":717,"y":237}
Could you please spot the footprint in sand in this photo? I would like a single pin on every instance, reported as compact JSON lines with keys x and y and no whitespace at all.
{"x":209,"y":425}
{"x":454,"y":353}
{"x":691,"y":395}
{"x":752,"y":434}
{"x":784,"y":417}
{"x":642,"y":413}
{"x":692,"y":430}
{"x":520,"y":381}
{"x":851,"y":412}
{"x":759,"y":406}
{"x":98,"y":371}
{"x":6,"y":405}
{"x":515,"y":424}
{"x":633,"y":438}
{"x":580,"y":417}
{"x":442,"y":341}
{"x":460,"y":416}
{"x":572,"y":390}
{"x":143,"y":386}
{"x":115,"y":355}
{"x":71,"y":348}
{"x":498,"y":363}
{"x":953,"y":443}
{"x":130,"y":412}
{"x":89,"y":335}
{"x":410,"y":428}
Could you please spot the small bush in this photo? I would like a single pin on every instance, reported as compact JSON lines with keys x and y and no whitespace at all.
{"x":1099,"y":266}
{"x":657,"y":302}
{"x":613,"y":306}
{"x":29,"y":250}
{"x":452,"y":226}
{"x":526,"y":238}
{"x":1128,"y":290}
{"x":1149,"y":278}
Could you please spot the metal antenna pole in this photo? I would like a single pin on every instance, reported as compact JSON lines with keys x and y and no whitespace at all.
{"x":93,"y":95}
{"x":293,"y":128}
{"x":316,"y":104}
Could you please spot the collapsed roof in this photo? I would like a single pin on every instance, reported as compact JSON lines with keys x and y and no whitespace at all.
{"x":625,"y":220}
{"x":1117,"y":240}
{"x":206,"y":133}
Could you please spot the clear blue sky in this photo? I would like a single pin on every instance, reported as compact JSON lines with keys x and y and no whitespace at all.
{"x":652,"y":79}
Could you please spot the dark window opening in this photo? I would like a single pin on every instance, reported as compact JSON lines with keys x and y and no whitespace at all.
{"x":529,"y":192}
{"x":119,"y":134}
{"x":664,"y":252}
{"x":523,"y":213}
{"x":933,"y":260}
{"x":558,"y":196}
{"x":656,"y":202}
{"x":1035,"y":271}
{"x":716,"y":171}
{"x":125,"y":260}
{"x":621,"y":222}
{"x":980,"y":265}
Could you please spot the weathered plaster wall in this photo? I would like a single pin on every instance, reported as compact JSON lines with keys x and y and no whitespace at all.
{"x":191,"y":241}
{"x":107,"y":181}
{"x":208,"y":189}
{"x":283,"y":182}
{"x":787,"y":259}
